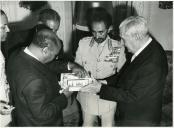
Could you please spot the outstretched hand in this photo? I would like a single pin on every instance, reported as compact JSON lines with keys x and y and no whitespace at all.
{"x":92,"y":88}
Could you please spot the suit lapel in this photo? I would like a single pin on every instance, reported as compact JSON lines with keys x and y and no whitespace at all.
{"x":136,"y":63}
{"x":143,"y":55}
{"x":38,"y":66}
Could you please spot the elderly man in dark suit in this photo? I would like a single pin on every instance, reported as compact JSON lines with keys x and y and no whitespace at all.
{"x":140,"y":85}
{"x":34,"y":85}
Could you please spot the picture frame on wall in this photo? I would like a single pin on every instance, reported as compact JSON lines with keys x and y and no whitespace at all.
{"x":166,"y":4}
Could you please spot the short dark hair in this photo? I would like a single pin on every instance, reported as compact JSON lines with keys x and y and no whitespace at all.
{"x":44,"y":37}
{"x":98,"y":14}
{"x":49,"y":14}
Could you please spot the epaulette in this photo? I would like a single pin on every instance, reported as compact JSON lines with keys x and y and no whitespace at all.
{"x":86,"y":38}
{"x":91,"y":42}
{"x":110,"y":44}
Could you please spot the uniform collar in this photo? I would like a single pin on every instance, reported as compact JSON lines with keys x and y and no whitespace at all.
{"x":101,"y":44}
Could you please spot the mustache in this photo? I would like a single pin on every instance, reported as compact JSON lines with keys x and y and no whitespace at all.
{"x":99,"y":39}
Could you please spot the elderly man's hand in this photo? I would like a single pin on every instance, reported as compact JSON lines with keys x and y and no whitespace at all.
{"x":78,"y":70}
{"x":92,"y":88}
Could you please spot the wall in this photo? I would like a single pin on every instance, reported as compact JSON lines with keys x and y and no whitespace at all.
{"x":64,"y":8}
{"x":161,"y":25}
{"x":160,"y":21}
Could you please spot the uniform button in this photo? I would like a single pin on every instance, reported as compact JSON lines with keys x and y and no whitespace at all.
{"x":97,"y":70}
{"x":98,"y":60}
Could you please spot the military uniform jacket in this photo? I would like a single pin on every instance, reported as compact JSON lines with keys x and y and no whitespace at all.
{"x":92,"y":57}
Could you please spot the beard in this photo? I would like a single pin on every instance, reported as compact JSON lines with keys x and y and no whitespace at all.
{"x":99,"y":40}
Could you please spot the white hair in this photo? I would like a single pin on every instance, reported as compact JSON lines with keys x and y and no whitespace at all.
{"x":135,"y":27}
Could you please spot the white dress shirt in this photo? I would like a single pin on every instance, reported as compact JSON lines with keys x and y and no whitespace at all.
{"x":141,"y":49}
{"x":27,"y":51}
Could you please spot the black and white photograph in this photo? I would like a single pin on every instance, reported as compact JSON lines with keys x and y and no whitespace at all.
{"x":86,"y":63}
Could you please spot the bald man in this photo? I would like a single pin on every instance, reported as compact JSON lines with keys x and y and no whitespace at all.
{"x":34,"y":86}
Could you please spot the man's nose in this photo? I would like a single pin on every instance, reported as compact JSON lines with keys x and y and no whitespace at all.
{"x":97,"y":35}
{"x":7,"y":29}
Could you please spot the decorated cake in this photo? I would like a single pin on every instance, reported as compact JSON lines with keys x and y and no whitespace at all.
{"x":72,"y":82}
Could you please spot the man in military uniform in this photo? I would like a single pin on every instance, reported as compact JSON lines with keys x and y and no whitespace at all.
{"x":94,"y":54}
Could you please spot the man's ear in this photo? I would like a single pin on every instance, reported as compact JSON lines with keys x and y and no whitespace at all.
{"x":45,"y":50}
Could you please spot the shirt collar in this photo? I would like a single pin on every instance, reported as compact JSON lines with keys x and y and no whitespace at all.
{"x":141,"y":49}
{"x":27,"y":51}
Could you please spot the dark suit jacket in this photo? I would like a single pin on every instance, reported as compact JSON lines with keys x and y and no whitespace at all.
{"x":35,"y":91}
{"x":139,"y":88}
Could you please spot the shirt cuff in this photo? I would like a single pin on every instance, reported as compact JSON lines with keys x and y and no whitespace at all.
{"x":68,"y":66}
{"x":103,"y":81}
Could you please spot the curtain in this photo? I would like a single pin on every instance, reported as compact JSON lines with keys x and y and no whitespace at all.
{"x":119,"y":10}
{"x":82,"y":6}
